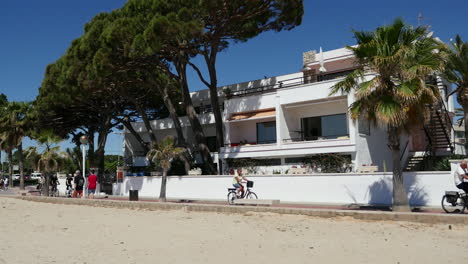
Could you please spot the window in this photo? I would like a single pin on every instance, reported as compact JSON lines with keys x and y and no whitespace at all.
{"x":268,"y":162}
{"x":295,"y":160}
{"x":331,"y":76}
{"x":266,"y":132}
{"x":310,"y":76}
{"x":208,"y":108}
{"x":324,"y":127}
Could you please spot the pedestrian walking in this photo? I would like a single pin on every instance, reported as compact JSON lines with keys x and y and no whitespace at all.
{"x":6,"y":183}
{"x":79,"y":184}
{"x":92,"y":183}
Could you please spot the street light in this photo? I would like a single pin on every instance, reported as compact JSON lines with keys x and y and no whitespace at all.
{"x":84,"y":142}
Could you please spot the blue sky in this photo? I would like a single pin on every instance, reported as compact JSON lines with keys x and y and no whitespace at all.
{"x":36,"y":33}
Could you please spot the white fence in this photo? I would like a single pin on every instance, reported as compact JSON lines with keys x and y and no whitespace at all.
{"x":424,"y":188}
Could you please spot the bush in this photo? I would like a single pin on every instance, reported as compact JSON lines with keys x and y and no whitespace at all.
{"x":329,"y":163}
{"x":177,"y":167}
{"x":443,"y":163}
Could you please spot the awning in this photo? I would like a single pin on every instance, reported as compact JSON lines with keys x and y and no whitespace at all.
{"x":271,"y":112}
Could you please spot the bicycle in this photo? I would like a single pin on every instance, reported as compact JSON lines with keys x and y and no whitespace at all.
{"x":248,"y":194}
{"x":69,"y":191}
{"x":53,"y":190}
{"x":454,"y":202}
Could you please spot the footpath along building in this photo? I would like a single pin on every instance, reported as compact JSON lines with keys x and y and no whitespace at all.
{"x":280,"y":120}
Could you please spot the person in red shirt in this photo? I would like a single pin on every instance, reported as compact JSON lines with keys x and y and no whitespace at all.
{"x":92,"y":182}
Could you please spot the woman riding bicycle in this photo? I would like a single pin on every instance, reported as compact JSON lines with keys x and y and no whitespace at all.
{"x":237,"y":182}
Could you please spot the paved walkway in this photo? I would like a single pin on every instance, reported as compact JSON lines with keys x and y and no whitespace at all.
{"x":352,"y":207}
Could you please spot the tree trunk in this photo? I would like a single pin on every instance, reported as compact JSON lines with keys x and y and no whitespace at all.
{"x":197,"y":129}
{"x":100,"y":151}
{"x":181,"y":142}
{"x":211,"y":64}
{"x":137,"y":136}
{"x":462,"y":98}
{"x":400,"y":197}
{"x":91,"y":156}
{"x":175,"y":118}
{"x":77,"y":159}
{"x":10,"y":167}
{"x":45,"y":184}
{"x":185,"y":157}
{"x":21,"y":165}
{"x":162,"y":194}
{"x":147,"y":123}
{"x":465,"y":122}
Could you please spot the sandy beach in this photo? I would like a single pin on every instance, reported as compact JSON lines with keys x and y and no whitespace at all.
{"x":33,"y":232}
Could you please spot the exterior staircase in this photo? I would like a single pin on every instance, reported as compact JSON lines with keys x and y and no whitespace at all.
{"x":416,"y":162}
{"x":439,"y":131}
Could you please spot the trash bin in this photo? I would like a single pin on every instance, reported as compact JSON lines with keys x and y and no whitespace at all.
{"x":133,"y":195}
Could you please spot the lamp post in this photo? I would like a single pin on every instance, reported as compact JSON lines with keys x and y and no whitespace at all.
{"x":84,"y":142}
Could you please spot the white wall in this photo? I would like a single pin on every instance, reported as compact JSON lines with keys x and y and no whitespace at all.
{"x":373,"y":148}
{"x":293,"y":115}
{"x":460,"y":148}
{"x":246,"y":130}
{"x":424,"y":188}
{"x":250,"y":103}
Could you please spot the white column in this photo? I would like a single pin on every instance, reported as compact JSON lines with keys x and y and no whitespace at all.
{"x":352,"y":128}
{"x":83,"y":173}
{"x":279,"y":120}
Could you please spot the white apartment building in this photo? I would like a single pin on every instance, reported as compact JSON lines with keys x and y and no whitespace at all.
{"x":285,"y":118}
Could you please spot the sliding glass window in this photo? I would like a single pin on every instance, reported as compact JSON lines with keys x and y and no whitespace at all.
{"x":324,"y":127}
{"x":266,"y":132}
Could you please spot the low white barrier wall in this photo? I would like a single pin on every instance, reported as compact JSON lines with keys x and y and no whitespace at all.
{"x":424,"y":188}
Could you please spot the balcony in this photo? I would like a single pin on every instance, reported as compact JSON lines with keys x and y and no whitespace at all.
{"x":289,"y":147}
{"x":288,"y":83}
{"x":317,"y":138}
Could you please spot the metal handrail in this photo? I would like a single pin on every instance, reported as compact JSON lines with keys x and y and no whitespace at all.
{"x":428,"y":136}
{"x":403,"y":153}
{"x":302,"y":139}
{"x":286,"y":84}
{"x":447,"y":118}
{"x":446,"y":111}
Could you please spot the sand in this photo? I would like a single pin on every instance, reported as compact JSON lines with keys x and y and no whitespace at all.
{"x":33,"y":232}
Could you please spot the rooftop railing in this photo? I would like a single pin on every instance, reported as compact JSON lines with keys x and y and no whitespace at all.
{"x":306,"y":79}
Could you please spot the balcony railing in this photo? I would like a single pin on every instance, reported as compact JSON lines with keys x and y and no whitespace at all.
{"x":240,"y":144}
{"x":302,"y":139}
{"x":291,"y":83}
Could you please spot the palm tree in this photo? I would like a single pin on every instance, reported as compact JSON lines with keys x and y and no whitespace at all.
{"x":162,"y":154}
{"x":456,"y":72}
{"x":395,"y":95}
{"x":48,"y":159}
{"x":3,"y":103}
{"x":13,"y":128}
{"x":32,"y":158}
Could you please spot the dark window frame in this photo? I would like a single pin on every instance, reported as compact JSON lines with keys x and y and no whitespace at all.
{"x":265,"y":142}
{"x":320,"y":117}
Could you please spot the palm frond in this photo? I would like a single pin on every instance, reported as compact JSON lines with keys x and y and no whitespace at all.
{"x":401,"y":57}
{"x":349,"y":83}
{"x":164,"y":152}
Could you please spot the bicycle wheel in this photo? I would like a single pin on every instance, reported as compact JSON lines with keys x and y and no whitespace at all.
{"x":251,"y":195}
{"x":452,"y":206}
{"x":231,"y":197}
